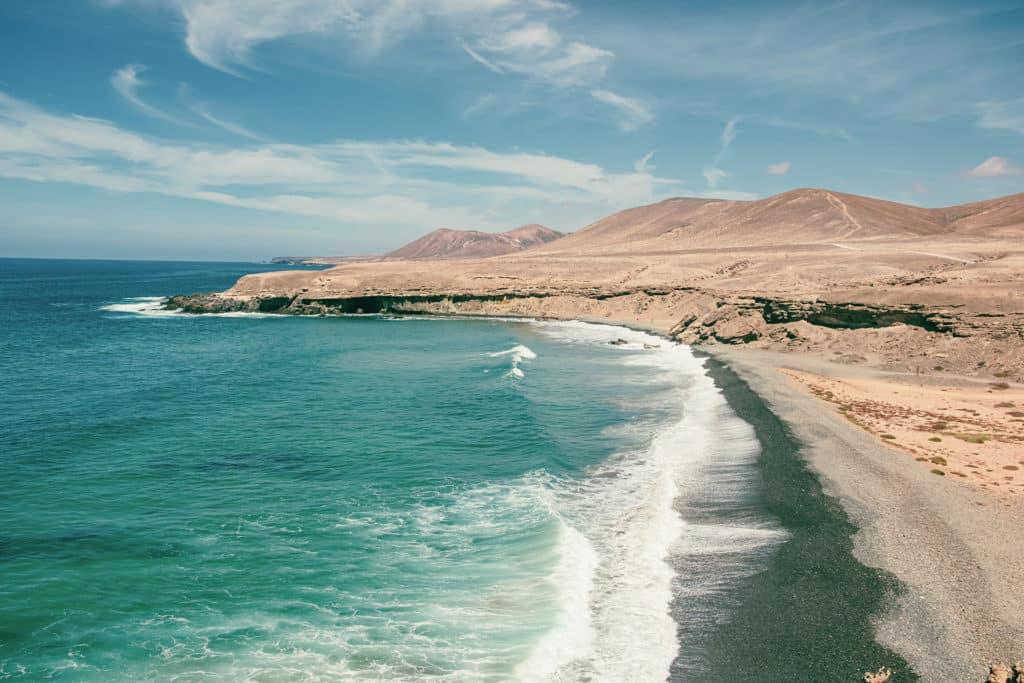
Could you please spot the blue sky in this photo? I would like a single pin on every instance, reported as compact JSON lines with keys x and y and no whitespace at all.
{"x":244,"y":129}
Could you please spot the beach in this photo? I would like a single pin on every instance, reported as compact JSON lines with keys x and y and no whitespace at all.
{"x":953,"y":548}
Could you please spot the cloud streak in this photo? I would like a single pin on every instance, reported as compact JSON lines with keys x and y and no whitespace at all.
{"x":915,"y":61}
{"x":995,"y":167}
{"x":505,"y":36}
{"x":634,"y":112}
{"x":403,"y":182}
{"x":127,"y":83}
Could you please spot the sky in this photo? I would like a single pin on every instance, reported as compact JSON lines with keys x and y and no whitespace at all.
{"x":246,"y":129}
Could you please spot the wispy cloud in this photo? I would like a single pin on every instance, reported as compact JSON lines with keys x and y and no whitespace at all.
{"x":404,"y":182}
{"x":1002,"y":115}
{"x":505,"y":36}
{"x":918,"y":61}
{"x":634,"y":112}
{"x":480,"y":104}
{"x":643,"y":164}
{"x":727,"y":138}
{"x":781,"y":168}
{"x":995,"y":167}
{"x":714,"y":176}
{"x":822,"y":129}
{"x":231,"y":127}
{"x":127,"y":83}
{"x":728,"y":134}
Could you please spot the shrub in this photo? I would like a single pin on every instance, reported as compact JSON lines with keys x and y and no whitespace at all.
{"x":973,"y":438}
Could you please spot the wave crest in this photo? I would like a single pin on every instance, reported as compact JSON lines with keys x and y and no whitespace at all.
{"x":518,"y":354}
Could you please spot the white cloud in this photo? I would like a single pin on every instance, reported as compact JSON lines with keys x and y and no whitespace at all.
{"x":506,"y":36}
{"x":781,"y":168}
{"x":644,"y":165}
{"x":714,"y":176}
{"x":729,"y":133}
{"x":482,"y":103}
{"x":995,"y":167}
{"x":224,"y":124}
{"x":634,"y":112}
{"x":576,"y":64}
{"x":727,"y":137}
{"x":517,"y":39}
{"x":1006,"y":115}
{"x":919,"y":188}
{"x":406,"y":182}
{"x":127,"y":83}
{"x":919,"y":61}
{"x":533,"y":36}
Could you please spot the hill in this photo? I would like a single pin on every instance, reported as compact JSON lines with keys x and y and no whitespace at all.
{"x":450,"y":244}
{"x":799,"y":216}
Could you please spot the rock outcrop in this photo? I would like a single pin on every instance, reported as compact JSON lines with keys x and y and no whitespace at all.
{"x":1004,"y":673}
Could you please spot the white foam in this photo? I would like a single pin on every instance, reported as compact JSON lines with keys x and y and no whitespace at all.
{"x":572,"y":637}
{"x":154,"y":306}
{"x":518,"y":353}
{"x":627,"y":513}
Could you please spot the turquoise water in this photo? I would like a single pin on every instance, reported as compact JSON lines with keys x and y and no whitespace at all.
{"x":246,"y":497}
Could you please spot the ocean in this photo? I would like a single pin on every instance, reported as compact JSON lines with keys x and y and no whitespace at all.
{"x":268,"y":498}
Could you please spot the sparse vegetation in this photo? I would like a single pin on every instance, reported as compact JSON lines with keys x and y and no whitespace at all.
{"x":939,"y":472}
{"x":1006,"y":404}
{"x":938,"y":460}
{"x":1000,"y":386}
{"x":1012,"y":468}
{"x":889,"y":436}
{"x":934,"y":438}
{"x":972,"y":437}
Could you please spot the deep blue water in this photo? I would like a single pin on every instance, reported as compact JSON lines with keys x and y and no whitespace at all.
{"x":246,"y":497}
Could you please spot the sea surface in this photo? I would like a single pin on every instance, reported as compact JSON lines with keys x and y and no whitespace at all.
{"x":271,"y":498}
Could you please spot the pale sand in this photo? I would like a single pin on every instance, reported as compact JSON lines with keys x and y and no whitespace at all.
{"x":974,"y":431}
{"x":955,"y":547}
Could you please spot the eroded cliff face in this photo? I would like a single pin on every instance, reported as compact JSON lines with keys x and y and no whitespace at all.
{"x":910,"y":337}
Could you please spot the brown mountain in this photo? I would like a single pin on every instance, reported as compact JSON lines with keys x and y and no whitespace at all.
{"x":450,"y":244}
{"x":798,"y":216}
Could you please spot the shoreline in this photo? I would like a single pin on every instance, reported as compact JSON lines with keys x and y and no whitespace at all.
{"x":944,"y":558}
{"x":808,"y":613}
{"x":954,"y":550}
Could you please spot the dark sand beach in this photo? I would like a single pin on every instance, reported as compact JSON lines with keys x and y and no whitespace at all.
{"x":932,"y":570}
{"x":808,"y":614}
